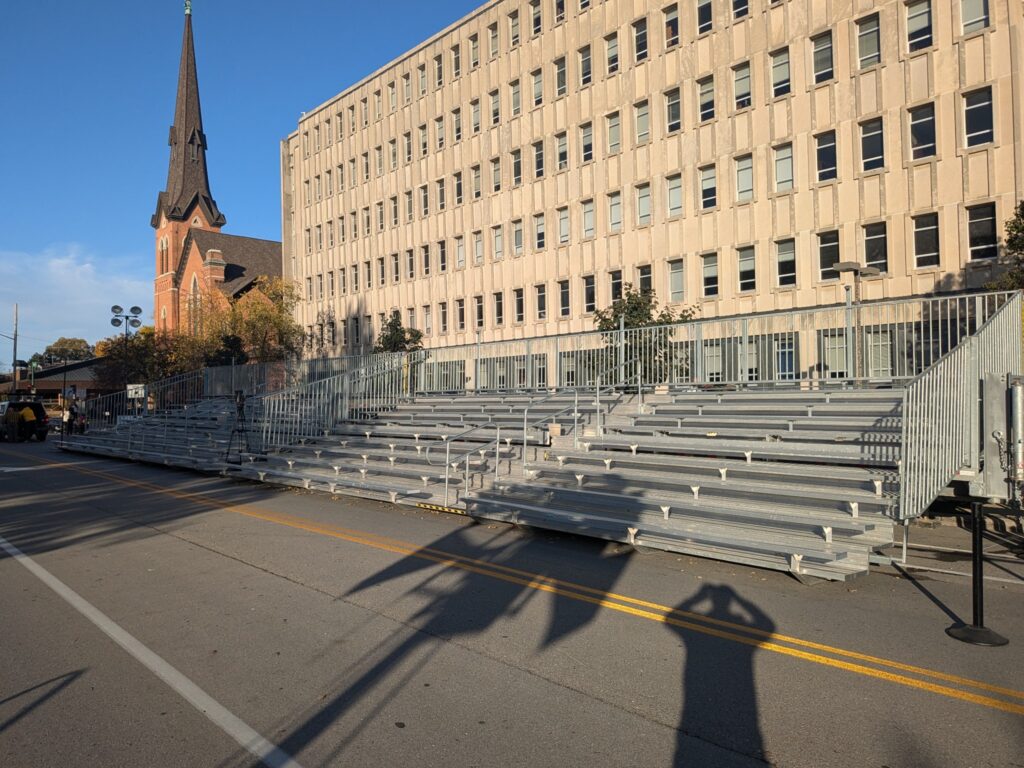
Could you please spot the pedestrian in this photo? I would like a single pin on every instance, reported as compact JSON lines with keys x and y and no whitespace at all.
{"x":11,"y":423}
{"x":28,"y":423}
{"x":66,"y":418}
{"x":72,"y":417}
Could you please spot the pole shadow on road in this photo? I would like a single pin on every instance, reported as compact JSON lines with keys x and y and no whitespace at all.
{"x":43,"y":691}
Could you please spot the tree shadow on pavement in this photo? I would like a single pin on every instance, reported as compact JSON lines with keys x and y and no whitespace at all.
{"x":476,"y":586}
{"x":719,"y":690}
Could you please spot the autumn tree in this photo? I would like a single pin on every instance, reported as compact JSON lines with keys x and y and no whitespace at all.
{"x":1013,"y":244}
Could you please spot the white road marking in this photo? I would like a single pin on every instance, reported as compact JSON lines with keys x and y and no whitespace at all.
{"x":45,"y":466}
{"x":255,"y":744}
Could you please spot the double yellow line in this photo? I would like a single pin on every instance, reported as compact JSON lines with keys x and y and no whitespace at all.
{"x":864,"y":664}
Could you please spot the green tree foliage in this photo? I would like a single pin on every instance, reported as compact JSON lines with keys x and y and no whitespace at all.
{"x":394,"y":337}
{"x":1013,"y":278}
{"x":64,"y":348}
{"x":654,"y":354}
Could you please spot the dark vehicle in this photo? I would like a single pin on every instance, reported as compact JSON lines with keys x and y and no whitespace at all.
{"x":15,"y":427}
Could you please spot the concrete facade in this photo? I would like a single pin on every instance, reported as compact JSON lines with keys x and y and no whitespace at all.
{"x":725,"y":202}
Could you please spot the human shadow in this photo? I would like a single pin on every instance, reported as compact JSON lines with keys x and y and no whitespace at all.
{"x":720,"y":708}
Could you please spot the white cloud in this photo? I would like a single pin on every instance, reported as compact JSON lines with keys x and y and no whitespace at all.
{"x":66,"y":291}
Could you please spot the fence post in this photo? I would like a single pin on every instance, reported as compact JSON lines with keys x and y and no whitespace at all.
{"x":974,"y":366}
{"x":848,"y":343}
{"x":620,"y":342}
{"x":744,"y":341}
{"x":558,"y":365}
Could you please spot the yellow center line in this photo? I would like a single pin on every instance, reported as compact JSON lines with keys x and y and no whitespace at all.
{"x":696,"y":622}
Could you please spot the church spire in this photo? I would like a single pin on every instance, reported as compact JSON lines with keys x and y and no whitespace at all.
{"x":187,"y":182}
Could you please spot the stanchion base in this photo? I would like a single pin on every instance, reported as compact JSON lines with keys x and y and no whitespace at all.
{"x":976,"y":635}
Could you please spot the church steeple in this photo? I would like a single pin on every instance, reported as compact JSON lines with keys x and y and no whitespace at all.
{"x":188,"y":185}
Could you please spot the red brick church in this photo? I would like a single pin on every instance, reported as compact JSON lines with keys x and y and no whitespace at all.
{"x":193,"y":257}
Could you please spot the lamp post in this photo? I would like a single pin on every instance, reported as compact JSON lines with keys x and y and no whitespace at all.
{"x":129,"y":320}
{"x":858,"y":272}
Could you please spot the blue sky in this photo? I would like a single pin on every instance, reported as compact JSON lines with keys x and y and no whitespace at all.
{"x":87,"y":98}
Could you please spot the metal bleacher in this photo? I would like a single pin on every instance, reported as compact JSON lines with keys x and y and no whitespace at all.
{"x":684,"y":446}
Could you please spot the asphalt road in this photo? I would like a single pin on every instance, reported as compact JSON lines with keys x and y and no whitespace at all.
{"x":152,"y":617}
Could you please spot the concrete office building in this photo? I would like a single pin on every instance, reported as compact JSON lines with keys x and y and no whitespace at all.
{"x":506,"y":177}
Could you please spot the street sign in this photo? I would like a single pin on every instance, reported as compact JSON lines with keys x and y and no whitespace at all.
{"x":136,"y":391}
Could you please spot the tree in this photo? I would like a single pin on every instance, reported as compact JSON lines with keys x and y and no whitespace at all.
{"x":1013,"y":278}
{"x":652,"y":354}
{"x":394,"y":337}
{"x":263,"y":320}
{"x":64,"y":348}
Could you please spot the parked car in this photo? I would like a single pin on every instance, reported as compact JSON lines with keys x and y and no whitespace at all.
{"x":15,"y":429}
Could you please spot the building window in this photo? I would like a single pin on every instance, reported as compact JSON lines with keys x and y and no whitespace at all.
{"x":741,"y":85}
{"x":978,"y":117}
{"x":442,"y":316}
{"x":675,"y":280}
{"x":538,"y":88}
{"x":588,"y":218}
{"x":476,"y":182}
{"x":513,"y":29}
{"x":474,"y":51}
{"x":542,"y":301}
{"x":919,"y":25}
{"x":456,"y":125}
{"x":559,"y":11}
{"x":517,"y":102}
{"x":460,"y":252}
{"x":520,"y":305}
{"x":474,"y":108}
{"x":612,"y":53}
{"x":825,"y":155}
{"x":744,"y":178}
{"x":785,"y":254}
{"x":561,"y":151}
{"x":747,"y":268}
{"x":981,"y":232}
{"x":478,"y":247}
{"x":586,"y":70}
{"x":561,"y":81}
{"x":614,"y":133}
{"x":492,"y":37}
{"x":822,"y":45}
{"x":427,"y":319}
{"x":869,"y":44}
{"x":563,"y":226}
{"x":671,"y":25}
{"x":709,"y":268}
{"x":538,"y":232}
{"x":438,"y":134}
{"x":498,"y":242}
{"x":442,"y":256}
{"x":643,"y":205}
{"x":784,"y":168}
{"x":458,"y":188}
{"x":536,"y":18}
{"x":740,"y":8}
{"x":780,"y":73}
{"x":922,"y":131}
{"x":828,"y":255}
{"x":538,"y":160}
{"x":517,"y":167}
{"x":496,"y":174}
{"x":707,"y":98}
{"x":517,"y":237}
{"x":615,"y":277}
{"x":876,"y":246}
{"x":499,"y":308}
{"x":438,"y":71}
{"x":643,"y":279}
{"x":705,"y":20}
{"x":564,"y":309}
{"x":586,"y":142}
{"x":708,"y":188}
{"x":589,"y":295}
{"x":478,"y":306}
{"x":926,"y":240}
{"x":460,"y":314}
{"x":643,"y":122}
{"x":872,"y":145}
{"x":674,"y":195}
{"x":673,"y":111}
{"x":456,"y":55}
{"x":421,"y":74}
{"x":615,"y":212}
{"x":974,"y":15}
{"x":640,"y":40}
{"x":425,"y":256}
{"x":495,"y":108}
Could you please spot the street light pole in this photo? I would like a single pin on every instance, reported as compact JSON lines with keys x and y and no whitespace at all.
{"x":129,"y":319}
{"x":858,"y":272}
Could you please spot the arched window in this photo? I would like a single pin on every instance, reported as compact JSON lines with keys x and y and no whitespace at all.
{"x":194,"y":306}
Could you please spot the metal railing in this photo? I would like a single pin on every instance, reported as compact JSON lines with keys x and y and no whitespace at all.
{"x":547,"y":420}
{"x":941,"y":408}
{"x":449,"y":464}
{"x":871,"y":343}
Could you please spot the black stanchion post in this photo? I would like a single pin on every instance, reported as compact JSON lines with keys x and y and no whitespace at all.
{"x":977,"y":633}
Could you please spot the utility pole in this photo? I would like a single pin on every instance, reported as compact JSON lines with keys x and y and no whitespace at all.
{"x":14,"y":362}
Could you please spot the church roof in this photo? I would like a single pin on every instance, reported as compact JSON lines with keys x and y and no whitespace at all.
{"x":247,"y":258}
{"x":187,"y":182}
